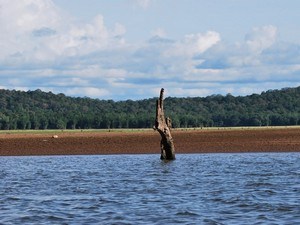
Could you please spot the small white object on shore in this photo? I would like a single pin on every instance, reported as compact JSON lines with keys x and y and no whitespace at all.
{"x":54,"y":136}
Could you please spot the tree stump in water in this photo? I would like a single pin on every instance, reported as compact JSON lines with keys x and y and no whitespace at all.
{"x":163,"y":126}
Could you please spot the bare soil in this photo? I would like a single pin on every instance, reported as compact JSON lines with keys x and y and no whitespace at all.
{"x":148,"y":142}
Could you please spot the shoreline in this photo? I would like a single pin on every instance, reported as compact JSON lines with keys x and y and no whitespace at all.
{"x":147,"y":141}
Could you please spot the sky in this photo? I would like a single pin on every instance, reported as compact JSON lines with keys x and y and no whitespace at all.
{"x":129,"y":49}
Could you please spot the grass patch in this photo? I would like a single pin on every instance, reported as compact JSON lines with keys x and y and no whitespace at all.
{"x":140,"y":130}
{"x":71,"y":131}
{"x":238,"y":128}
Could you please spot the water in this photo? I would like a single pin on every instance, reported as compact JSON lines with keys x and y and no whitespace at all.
{"x":261,"y":188}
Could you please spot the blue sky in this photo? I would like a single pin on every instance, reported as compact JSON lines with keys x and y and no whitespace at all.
{"x":129,"y":49}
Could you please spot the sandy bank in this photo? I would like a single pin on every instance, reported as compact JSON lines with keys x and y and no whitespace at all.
{"x":137,"y":142}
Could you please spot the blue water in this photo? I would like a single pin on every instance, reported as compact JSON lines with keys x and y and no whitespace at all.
{"x":261,"y":188}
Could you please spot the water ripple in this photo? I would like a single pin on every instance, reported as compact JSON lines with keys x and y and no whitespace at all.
{"x":141,"y":189}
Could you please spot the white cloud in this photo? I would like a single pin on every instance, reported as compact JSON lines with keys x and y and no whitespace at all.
{"x":43,"y":47}
{"x":23,"y":16}
{"x":88,"y":92}
{"x":20,"y":19}
{"x":261,"y":38}
{"x":194,"y":44}
{"x":183,"y":92}
{"x":245,"y":53}
{"x":143,"y":3}
{"x":34,"y":30}
{"x":159,"y":32}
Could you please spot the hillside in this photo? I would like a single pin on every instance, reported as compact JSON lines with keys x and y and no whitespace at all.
{"x":41,"y":110}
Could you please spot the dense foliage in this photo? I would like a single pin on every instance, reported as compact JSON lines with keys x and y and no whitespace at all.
{"x":41,"y":110}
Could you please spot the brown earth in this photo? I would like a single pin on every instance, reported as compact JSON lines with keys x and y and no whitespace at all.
{"x":142,"y":142}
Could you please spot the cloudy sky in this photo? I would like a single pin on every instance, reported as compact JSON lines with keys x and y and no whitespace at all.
{"x":129,"y":49}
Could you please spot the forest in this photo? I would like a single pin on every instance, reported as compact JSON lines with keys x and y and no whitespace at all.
{"x":45,"y":110}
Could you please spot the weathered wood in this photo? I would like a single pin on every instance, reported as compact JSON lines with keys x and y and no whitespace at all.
{"x":163,"y":126}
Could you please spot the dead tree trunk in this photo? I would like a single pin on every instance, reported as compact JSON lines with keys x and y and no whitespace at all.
{"x":163,"y":126}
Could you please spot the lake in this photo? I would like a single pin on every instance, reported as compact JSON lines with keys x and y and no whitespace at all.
{"x":254,"y":188}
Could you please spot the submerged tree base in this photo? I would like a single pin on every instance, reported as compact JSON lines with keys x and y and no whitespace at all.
{"x":163,"y":125}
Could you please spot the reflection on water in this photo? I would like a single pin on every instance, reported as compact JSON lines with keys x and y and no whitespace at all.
{"x":261,"y":188}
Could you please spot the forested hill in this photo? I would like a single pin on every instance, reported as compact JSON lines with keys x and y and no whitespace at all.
{"x":41,"y":110}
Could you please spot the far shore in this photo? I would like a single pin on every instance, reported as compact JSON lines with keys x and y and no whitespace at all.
{"x":147,"y":141}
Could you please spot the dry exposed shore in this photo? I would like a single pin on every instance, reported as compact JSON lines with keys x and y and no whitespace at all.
{"x":142,"y":142}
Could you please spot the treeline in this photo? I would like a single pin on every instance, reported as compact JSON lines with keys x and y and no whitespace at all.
{"x":41,"y":110}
